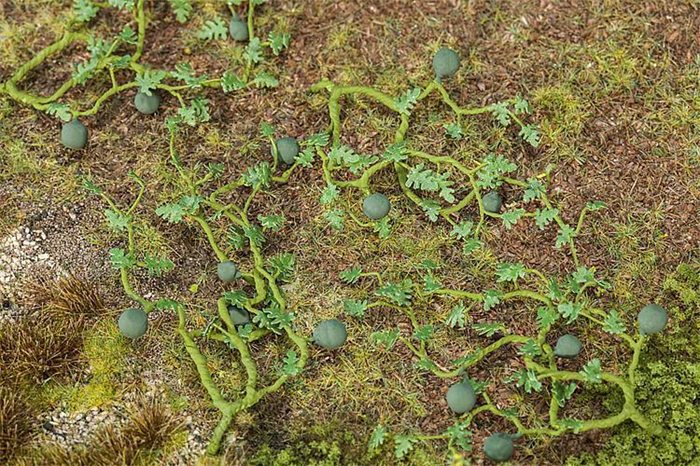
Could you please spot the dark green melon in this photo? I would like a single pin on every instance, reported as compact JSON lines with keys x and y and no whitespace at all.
{"x":238,"y":315}
{"x":287,"y":149}
{"x":492,"y":202}
{"x":74,"y":134}
{"x":133,"y":323}
{"x":461,"y":397}
{"x":445,"y":63}
{"x":376,"y":206}
{"x":227,"y":271}
{"x":498,"y":447}
{"x":330,"y":334}
{"x":568,"y":346}
{"x":147,"y":104}
{"x":238,"y":29}
{"x":652,"y":319}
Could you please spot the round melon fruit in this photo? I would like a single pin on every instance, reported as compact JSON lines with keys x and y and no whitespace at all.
{"x":74,"y":134}
{"x":652,"y":319}
{"x":227,"y":271}
{"x":445,"y":63}
{"x":568,"y":346}
{"x":287,"y":149}
{"x":492,"y":202}
{"x":461,"y":397}
{"x":376,"y":206}
{"x":498,"y":447}
{"x":238,"y":29}
{"x":133,"y":323}
{"x":330,"y":334}
{"x":147,"y":104}
{"x":238,"y":315}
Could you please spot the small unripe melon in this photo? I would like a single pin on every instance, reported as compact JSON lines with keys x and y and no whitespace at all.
{"x":330,"y":334}
{"x":568,"y":346}
{"x":652,"y":319}
{"x":498,"y":447}
{"x":445,"y":63}
{"x":238,"y":316}
{"x":227,"y":271}
{"x":492,"y":202}
{"x":133,"y":323}
{"x":147,"y":104}
{"x":376,"y":206}
{"x":287,"y":149}
{"x":74,"y":134}
{"x":238,"y":29}
{"x":461,"y":397}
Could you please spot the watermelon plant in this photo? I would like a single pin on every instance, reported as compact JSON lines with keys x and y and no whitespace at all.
{"x":119,"y":58}
{"x":434,"y":183}
{"x":555,"y":302}
{"x":430,"y":181}
{"x":251,"y":306}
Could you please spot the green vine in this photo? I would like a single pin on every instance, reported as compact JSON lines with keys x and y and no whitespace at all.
{"x":564,"y":300}
{"x":121,"y":54}
{"x":271,"y":314}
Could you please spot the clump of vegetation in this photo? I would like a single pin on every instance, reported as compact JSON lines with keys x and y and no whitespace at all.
{"x":150,"y":426}
{"x":667,"y":387}
{"x":68,"y":294}
{"x":40,"y":346}
{"x":122,"y":55}
{"x":16,"y":421}
{"x":555,"y":302}
{"x":255,"y":309}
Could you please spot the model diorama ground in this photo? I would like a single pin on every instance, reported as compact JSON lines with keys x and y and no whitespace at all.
{"x":330,"y":233}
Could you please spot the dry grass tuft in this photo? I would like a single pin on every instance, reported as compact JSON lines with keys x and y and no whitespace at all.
{"x":149,"y":427}
{"x":152,"y":423}
{"x":15,"y":422}
{"x":69,"y":294}
{"x":39,"y":347}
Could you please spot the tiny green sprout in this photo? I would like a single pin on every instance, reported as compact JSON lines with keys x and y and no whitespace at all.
{"x":376,"y":206}
{"x":133,"y":323}
{"x":74,"y":134}
{"x":652,"y":319}
{"x":568,"y":346}
{"x":227,"y":271}
{"x":498,"y":447}
{"x":492,"y":202}
{"x":461,"y":397}
{"x":147,"y":104}
{"x":287,"y":149}
{"x":238,"y":315}
{"x":330,"y":334}
{"x":445,"y":63}
{"x":238,"y":29}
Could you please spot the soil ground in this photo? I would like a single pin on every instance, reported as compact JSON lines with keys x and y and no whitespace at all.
{"x":613,"y":85}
